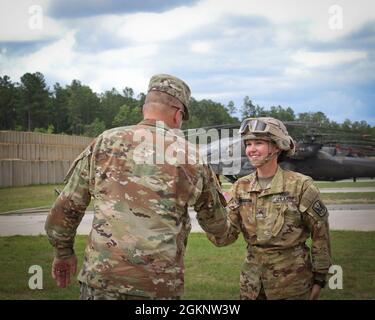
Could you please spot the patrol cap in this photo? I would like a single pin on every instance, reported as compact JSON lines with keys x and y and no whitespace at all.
{"x":174,"y":87}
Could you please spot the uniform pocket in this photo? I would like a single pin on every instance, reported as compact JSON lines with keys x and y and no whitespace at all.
{"x":246,"y":208}
{"x":279,"y":220}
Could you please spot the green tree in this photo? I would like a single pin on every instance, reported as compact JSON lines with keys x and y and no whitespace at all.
{"x":110,"y":103}
{"x":127,"y":115}
{"x":83,"y":106}
{"x":283,"y":114}
{"x":248,"y":109}
{"x":260,"y":112}
{"x":361,"y":126}
{"x":206,"y":113}
{"x":95,"y":128}
{"x":346,"y":125}
{"x":128,"y":92}
{"x":231,"y":109}
{"x":334,"y":125}
{"x":8,"y":104}
{"x":60,"y":110}
{"x":141,"y":99}
{"x":317,"y":118}
{"x":35,"y":102}
{"x":49,"y":129}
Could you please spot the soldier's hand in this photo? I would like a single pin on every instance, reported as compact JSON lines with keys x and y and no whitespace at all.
{"x":315,"y":292}
{"x":63,"y":269}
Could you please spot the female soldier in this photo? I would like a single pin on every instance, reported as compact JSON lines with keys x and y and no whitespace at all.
{"x":277,"y":211}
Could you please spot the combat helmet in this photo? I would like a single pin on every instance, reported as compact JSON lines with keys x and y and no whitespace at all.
{"x":267,"y":128}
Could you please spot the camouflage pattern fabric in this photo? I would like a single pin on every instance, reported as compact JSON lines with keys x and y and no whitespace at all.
{"x":262,"y":296}
{"x":141,"y":222}
{"x":276,"y":222}
{"x":88,"y":293}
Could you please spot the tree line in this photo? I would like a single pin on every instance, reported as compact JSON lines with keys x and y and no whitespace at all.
{"x":31,"y":105}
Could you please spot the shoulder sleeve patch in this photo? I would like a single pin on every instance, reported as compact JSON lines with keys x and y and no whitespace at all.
{"x":309,"y":197}
{"x":74,"y":164}
{"x":319,"y":208}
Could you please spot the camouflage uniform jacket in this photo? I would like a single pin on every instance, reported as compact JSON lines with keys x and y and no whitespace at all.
{"x":275,"y":223}
{"x":141,"y":222}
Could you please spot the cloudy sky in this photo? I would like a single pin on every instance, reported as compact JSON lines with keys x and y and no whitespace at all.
{"x":309,"y":55}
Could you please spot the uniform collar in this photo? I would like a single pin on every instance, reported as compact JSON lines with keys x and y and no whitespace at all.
{"x":277,"y":183}
{"x":154,"y":123}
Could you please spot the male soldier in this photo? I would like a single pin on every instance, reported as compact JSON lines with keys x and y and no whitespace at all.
{"x":277,"y":211}
{"x":141,"y":223}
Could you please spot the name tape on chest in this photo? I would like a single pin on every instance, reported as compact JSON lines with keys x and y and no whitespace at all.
{"x":245,"y":201}
{"x":283,"y":197}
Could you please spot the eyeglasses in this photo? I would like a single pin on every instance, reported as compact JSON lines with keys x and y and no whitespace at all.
{"x":183,"y":112}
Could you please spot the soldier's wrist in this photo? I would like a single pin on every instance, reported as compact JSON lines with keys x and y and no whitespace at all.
{"x":320,"y":283}
{"x":64,"y":253}
{"x":320,"y":279}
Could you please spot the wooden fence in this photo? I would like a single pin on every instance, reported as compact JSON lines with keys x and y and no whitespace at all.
{"x":37,"y":158}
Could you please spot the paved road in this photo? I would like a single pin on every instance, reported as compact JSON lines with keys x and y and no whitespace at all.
{"x":359,"y":217}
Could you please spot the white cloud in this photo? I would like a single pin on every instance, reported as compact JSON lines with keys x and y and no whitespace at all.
{"x":262,"y":54}
{"x":201,"y":47}
{"x":313,"y":16}
{"x":337,"y":105}
{"x":56,"y":58}
{"x":296,"y":72}
{"x":323,"y":59}
{"x":166,"y":26}
{"x":110,"y":68}
{"x":26,"y":20}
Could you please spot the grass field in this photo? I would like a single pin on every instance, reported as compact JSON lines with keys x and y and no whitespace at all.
{"x":27,"y":197}
{"x":358,"y":184}
{"x":348,"y":197}
{"x":322,"y":184}
{"x":44,"y":195}
{"x":211,"y":273}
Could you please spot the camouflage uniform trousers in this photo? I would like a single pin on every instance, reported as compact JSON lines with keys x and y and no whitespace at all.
{"x":262,"y":296}
{"x":90,"y":293}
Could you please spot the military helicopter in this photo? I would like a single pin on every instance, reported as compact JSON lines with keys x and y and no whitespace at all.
{"x":318,"y":155}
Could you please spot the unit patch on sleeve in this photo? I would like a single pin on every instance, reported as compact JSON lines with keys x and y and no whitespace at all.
{"x":319,"y":208}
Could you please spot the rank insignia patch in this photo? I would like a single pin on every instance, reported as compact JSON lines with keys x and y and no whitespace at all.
{"x":319,"y":208}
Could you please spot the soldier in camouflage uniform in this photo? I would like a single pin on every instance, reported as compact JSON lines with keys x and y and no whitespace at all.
{"x":142,"y":179}
{"x":277,"y":211}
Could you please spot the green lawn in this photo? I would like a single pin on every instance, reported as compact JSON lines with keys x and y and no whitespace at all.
{"x":348,"y":197}
{"x":43,"y":195}
{"x":346,"y":184}
{"x":27,"y":197}
{"x":322,"y":184}
{"x":211,"y":273}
